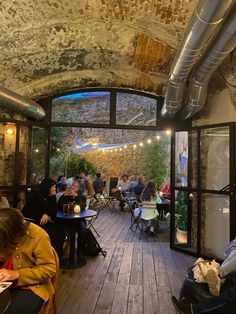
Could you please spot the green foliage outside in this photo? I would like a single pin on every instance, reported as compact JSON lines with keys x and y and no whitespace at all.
{"x":70,"y":164}
{"x":181,"y":210}
{"x":155,"y":163}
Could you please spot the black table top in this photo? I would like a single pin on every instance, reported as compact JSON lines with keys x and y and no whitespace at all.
{"x":83,"y":214}
{"x":5,"y":299}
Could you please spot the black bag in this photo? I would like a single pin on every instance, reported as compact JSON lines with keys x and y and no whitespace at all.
{"x":192,"y":291}
{"x":91,"y":246}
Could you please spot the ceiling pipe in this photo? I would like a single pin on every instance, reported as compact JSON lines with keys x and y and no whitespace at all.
{"x":23,"y":105}
{"x":223,"y":44}
{"x":206,"y":18}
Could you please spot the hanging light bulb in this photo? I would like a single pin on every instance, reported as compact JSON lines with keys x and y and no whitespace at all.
{"x":10,"y":131}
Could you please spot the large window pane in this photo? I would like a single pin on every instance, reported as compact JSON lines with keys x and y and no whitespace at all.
{"x":110,"y":151}
{"x":181,"y":158}
{"x":24,"y":144}
{"x":37,"y":153}
{"x":186,"y":220}
{"x":134,"y":109}
{"x":215,"y":158}
{"x":214,"y":224}
{"x":7,"y":153}
{"x":84,"y":107}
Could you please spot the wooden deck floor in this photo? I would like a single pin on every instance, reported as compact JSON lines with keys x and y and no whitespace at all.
{"x":136,"y":276}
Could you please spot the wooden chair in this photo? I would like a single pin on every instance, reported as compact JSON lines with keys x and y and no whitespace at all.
{"x":46,"y":309}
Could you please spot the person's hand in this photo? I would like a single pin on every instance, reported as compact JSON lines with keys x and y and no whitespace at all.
{"x":8,"y":275}
{"x":44,"y":219}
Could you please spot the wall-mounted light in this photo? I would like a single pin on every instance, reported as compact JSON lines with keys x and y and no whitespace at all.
{"x":10,"y":131}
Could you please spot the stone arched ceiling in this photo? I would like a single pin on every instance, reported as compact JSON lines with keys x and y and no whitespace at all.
{"x":49,"y":46}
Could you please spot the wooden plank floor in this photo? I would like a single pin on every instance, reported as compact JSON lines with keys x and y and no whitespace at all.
{"x":136,"y":276}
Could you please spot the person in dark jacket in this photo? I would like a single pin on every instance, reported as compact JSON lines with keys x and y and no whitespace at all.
{"x":138,"y":189}
{"x":42,"y":208}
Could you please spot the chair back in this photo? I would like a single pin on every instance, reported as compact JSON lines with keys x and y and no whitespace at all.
{"x":46,"y":309}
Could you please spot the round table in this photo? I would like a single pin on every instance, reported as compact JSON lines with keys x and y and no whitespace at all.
{"x":71,"y":218}
{"x":5,"y":299}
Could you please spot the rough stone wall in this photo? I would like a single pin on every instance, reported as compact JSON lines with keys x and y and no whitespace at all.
{"x":52,"y":46}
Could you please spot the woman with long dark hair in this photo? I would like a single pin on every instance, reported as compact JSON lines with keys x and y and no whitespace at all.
{"x":42,"y":208}
{"x":27,"y":261}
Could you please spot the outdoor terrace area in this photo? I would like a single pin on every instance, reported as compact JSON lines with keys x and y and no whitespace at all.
{"x":138,"y":275}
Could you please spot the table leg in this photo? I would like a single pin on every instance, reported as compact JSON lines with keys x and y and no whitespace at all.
{"x":74,"y":262}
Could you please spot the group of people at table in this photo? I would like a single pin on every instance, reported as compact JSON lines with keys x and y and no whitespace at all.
{"x":27,"y":260}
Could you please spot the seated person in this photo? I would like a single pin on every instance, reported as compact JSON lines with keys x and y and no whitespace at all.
{"x":62,"y":191}
{"x":123,"y":183}
{"x":132,"y":185}
{"x":138,"y":189}
{"x":150,"y":198}
{"x":214,"y":275}
{"x":98,"y":184}
{"x":165,"y":188}
{"x":42,"y":208}
{"x":27,"y":260}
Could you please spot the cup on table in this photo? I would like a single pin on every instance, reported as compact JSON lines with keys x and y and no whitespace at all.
{"x":66,"y":209}
{"x":71,"y":206}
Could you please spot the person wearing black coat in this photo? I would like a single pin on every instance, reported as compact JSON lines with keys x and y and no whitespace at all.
{"x":42,"y":209}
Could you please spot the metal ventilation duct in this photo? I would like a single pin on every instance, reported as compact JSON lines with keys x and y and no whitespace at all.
{"x":224,"y":42}
{"x":206,"y":18}
{"x":25,"y":106}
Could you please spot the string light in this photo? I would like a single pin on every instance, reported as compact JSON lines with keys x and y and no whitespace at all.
{"x":149,"y":141}
{"x":168,"y":132}
{"x":134,"y":146}
{"x":158,"y":137}
{"x":141,"y":144}
{"x":36,"y":150}
{"x":58,"y":150}
{"x":125,"y":146}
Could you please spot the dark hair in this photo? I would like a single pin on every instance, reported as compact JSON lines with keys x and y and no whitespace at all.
{"x":63,"y":187}
{"x":12,"y":229}
{"x":98,"y":175}
{"x":45,"y":186}
{"x":59,"y":178}
{"x":150,"y":190}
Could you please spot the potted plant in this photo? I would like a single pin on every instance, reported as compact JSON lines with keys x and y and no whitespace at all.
{"x":182,"y":218}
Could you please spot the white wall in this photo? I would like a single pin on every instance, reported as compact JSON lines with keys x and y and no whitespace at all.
{"x":221,"y":109}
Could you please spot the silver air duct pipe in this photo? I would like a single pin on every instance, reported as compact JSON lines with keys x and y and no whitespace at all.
{"x":206,"y":18}
{"x":224,"y":42}
{"x":23,"y":105}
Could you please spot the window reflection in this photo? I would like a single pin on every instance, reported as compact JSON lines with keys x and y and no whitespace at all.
{"x":134,"y":109}
{"x":84,"y":107}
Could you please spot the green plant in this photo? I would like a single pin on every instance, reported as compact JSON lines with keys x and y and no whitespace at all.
{"x":156,"y":158}
{"x":181,"y":210}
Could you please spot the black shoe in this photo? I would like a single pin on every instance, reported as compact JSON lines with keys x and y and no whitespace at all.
{"x":181,"y":307}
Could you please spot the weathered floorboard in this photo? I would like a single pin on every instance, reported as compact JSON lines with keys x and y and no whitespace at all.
{"x":136,"y":276}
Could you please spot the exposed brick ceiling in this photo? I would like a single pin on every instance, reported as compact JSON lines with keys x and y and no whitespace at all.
{"x":49,"y":46}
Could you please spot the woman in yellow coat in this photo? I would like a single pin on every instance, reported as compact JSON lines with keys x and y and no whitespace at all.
{"x":27,"y":261}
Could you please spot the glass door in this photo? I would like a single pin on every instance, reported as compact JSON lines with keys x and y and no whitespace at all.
{"x":203,"y":190}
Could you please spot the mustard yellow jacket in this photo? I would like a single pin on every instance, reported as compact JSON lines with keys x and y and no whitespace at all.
{"x":34,"y":260}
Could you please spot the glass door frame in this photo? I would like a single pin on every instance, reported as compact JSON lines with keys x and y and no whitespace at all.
{"x":199,"y":190}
